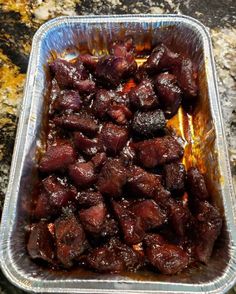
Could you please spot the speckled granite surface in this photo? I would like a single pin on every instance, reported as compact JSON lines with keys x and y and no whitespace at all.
{"x":20,"y":19}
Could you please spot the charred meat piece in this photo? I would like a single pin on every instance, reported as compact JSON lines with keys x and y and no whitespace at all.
{"x":179,"y":217}
{"x":89,"y":198}
{"x":150,"y":213}
{"x":43,"y":208}
{"x":143,"y":96}
{"x":99,"y":160}
{"x":187,"y":78}
{"x":102,"y":102}
{"x":86,"y":145}
{"x":112,"y":178}
{"x":161,"y":58}
{"x":112,"y":69}
{"x":59,"y":192}
{"x":174,"y":175}
{"x":167,"y":258}
{"x":88,"y":61}
{"x":93,"y":218}
{"x":109,"y":228}
{"x":41,"y":244}
{"x":105,"y":260}
{"x":208,"y":227}
{"x":68,"y":74}
{"x":78,"y":122}
{"x":68,"y":100}
{"x":142,"y":183}
{"x":158,"y":151}
{"x":70,"y":239}
{"x":131,"y":224}
{"x":196,"y":184}
{"x":149,"y":123}
{"x":113,"y":138}
{"x":57,"y":157}
{"x":82,"y":174}
{"x":120,"y":114}
{"x":169,"y":93}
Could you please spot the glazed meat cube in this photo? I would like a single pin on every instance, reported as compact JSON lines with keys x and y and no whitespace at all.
{"x":68,"y":100}
{"x":57,"y":157}
{"x":196,"y":184}
{"x":143,"y":96}
{"x":208,"y":228}
{"x":102,"y":102}
{"x":66,"y":73}
{"x":70,"y":239}
{"x":161,"y":58}
{"x":150,"y":213}
{"x":127,"y":155}
{"x":93,"y":218}
{"x":131,"y":224}
{"x":121,"y":48}
{"x":99,"y":160}
{"x":169,"y":93}
{"x":158,"y":151}
{"x":88,"y":61}
{"x":113,"y":138}
{"x":85,"y":86}
{"x":142,"y":183}
{"x":187,"y":78}
{"x":167,"y":258}
{"x":58,"y":191}
{"x":82,"y":174}
{"x":120,"y":114}
{"x":179,"y":216}
{"x":89,"y":198}
{"x":86,"y":145}
{"x":112,"y":69}
{"x":174,"y":175}
{"x":112,"y":178}
{"x":162,"y":196}
{"x":41,"y":244}
{"x":78,"y":122}
{"x":149,"y":123}
{"x":104,"y":260}
{"x":43,"y":208}
{"x":109,"y":228}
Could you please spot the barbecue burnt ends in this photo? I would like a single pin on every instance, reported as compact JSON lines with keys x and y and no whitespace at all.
{"x":112,"y":194}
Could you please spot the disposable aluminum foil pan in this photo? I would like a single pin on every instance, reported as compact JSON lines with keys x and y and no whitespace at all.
{"x":205,"y":146}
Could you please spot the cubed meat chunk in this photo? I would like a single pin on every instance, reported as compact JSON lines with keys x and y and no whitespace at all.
{"x":149,"y":124}
{"x":102,"y":102}
{"x":70,"y":239}
{"x":121,"y":48}
{"x":112,"y":178}
{"x":142,"y":183}
{"x":104,"y":260}
{"x":174,"y":176}
{"x":99,"y":160}
{"x":208,"y":227}
{"x":93,"y":218}
{"x":158,"y":151}
{"x":169,"y":93}
{"x":110,"y":228}
{"x":167,"y":258}
{"x":68,"y":100}
{"x":127,"y":155}
{"x":151,"y":214}
{"x":187,"y":78}
{"x":82,"y":174}
{"x":41,"y":243}
{"x":88,"y":61}
{"x":143,"y":96}
{"x":86,"y":145}
{"x":59,"y":192}
{"x":161,"y":58}
{"x":78,"y":122}
{"x":196,"y":184}
{"x":57,"y":157}
{"x":120,"y":114}
{"x":43,"y":209}
{"x":66,"y":73}
{"x":85,"y":86}
{"x":89,"y":198}
{"x":113,"y":138}
{"x":131,"y":224}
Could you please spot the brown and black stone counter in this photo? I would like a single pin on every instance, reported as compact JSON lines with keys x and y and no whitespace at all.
{"x":19,"y":21}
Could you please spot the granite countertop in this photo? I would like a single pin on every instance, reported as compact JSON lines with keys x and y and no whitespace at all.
{"x":19,"y":21}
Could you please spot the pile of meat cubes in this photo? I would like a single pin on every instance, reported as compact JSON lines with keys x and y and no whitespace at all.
{"x":113,"y":194}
